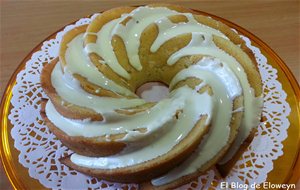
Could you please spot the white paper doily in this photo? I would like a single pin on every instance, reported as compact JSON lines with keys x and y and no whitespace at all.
{"x":40,"y":150}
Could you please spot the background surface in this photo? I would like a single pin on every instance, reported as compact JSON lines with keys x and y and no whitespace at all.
{"x":25,"y":24}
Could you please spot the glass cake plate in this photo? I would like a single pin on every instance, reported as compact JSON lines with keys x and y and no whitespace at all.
{"x":30,"y":153}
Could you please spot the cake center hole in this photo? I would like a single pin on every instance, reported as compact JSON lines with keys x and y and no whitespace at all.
{"x":153,"y":91}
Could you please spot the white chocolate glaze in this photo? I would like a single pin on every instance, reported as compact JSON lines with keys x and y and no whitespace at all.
{"x":77,"y":62}
{"x":168,"y":30}
{"x":103,"y":48}
{"x":211,"y":71}
{"x":216,"y":75}
{"x":192,"y":111}
{"x":252,"y":104}
{"x":151,"y":120}
{"x":69,"y":89}
{"x":199,"y":44}
{"x":131,"y":32}
{"x":212,"y":65}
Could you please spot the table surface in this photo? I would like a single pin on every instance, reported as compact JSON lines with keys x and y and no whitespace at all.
{"x":25,"y":24}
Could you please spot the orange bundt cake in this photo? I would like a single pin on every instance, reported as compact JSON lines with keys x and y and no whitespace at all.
{"x":213,"y":106}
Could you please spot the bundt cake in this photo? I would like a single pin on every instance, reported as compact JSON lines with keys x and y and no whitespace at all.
{"x":214,"y":101}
